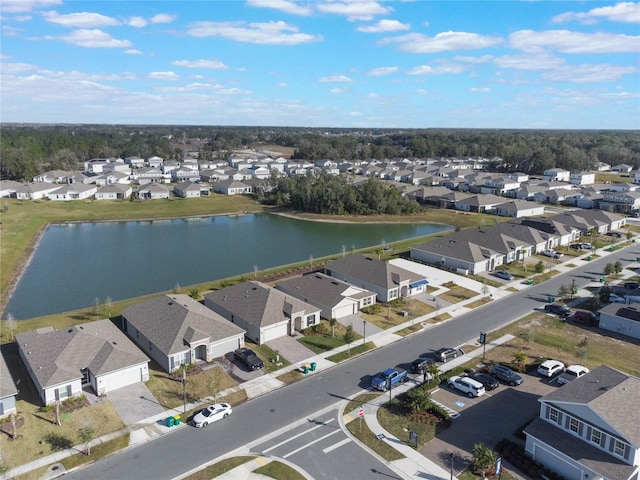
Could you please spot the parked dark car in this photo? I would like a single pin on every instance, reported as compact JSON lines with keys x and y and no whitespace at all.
{"x":418,"y":365}
{"x":445,"y":354}
{"x":614,"y":234}
{"x":249,"y":358}
{"x":631,"y":285}
{"x":584,"y":317}
{"x":485,"y":379}
{"x":506,"y":375}
{"x":561,"y":310}
{"x":503,"y":274}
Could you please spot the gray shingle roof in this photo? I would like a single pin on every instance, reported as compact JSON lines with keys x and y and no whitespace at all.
{"x":58,"y":356}
{"x":376,"y":272}
{"x":322,"y":289}
{"x":606,"y":465}
{"x":612,"y":395}
{"x":7,"y":386}
{"x":171,"y":320}
{"x":258,"y":304}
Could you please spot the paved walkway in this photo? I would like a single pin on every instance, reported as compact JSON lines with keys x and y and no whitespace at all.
{"x":415,"y":466}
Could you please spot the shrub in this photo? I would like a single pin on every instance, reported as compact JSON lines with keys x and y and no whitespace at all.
{"x":319,"y":328}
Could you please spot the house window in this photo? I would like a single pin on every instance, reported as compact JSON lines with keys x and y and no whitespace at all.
{"x":63,"y":393}
{"x":311,"y":320}
{"x":596,"y":437}
{"x":574,"y":425}
{"x":85,"y":376}
{"x":618,"y":448}
{"x":553,"y":415}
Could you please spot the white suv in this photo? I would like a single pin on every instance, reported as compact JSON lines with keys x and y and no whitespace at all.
{"x":550,"y":367}
{"x":467,"y":385}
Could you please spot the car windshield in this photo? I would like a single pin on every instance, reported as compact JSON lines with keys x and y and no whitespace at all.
{"x":207,"y":413}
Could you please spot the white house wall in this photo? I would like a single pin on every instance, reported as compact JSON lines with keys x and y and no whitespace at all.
{"x":624,"y":326}
{"x":555,"y":460}
{"x":48,"y":395}
{"x":7,"y":406}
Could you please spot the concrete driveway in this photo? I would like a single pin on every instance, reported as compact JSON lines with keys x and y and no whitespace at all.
{"x":498,"y":414}
{"x":291,"y":349}
{"x":135,"y":403}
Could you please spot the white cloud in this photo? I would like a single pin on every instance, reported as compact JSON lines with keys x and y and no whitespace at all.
{"x":385,"y":26}
{"x":282,"y":5}
{"x":529,"y":62}
{"x":439,"y":70}
{"x":9,"y":31}
{"x":422,"y":91}
{"x":91,"y":39}
{"x":168,"y":76}
{"x":442,"y":42}
{"x":354,"y":10}
{"x":13,"y":68}
{"x":355,"y":113}
{"x":80,"y":19}
{"x":22,"y":18}
{"x":162,"y":18}
{"x":475,"y":60}
{"x":133,"y":51}
{"x":213,"y":64}
{"x":573,"y":42}
{"x":17,"y":6}
{"x":270,"y":33}
{"x":378,"y":72}
{"x":335,"y":78}
{"x":589,"y":73}
{"x":283,"y":85}
{"x":480,"y":89}
{"x":626,"y":12}
{"x":337,"y":90}
{"x":137,"y":22}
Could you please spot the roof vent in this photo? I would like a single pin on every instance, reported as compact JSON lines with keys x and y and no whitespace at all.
{"x":115,"y":343}
{"x":170,"y":303}
{"x":70,"y":330}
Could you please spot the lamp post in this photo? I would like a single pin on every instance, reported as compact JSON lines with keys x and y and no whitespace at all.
{"x":364,"y":332}
{"x":184,"y":391}
{"x":451,"y":468}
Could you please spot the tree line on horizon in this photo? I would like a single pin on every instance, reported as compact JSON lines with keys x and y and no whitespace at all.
{"x":28,"y":150}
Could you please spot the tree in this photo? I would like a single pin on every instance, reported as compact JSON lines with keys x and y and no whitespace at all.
{"x":583,"y":348}
{"x":11,"y":326}
{"x":176,"y":288}
{"x":332,"y":324}
{"x":255,"y":272}
{"x":539,"y":268}
{"x":107,"y":306}
{"x":86,"y":434}
{"x":521,"y":360}
{"x":195,"y":293}
{"x":419,"y":399}
{"x":564,"y":290}
{"x":96,"y":307}
{"x":609,"y":269}
{"x":617,"y":267}
{"x":484,"y":290}
{"x":483,"y":457}
{"x":603,"y":294}
{"x":57,"y":410}
{"x":349,"y":336}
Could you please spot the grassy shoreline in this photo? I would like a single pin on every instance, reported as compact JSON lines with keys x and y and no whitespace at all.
{"x":23,"y":223}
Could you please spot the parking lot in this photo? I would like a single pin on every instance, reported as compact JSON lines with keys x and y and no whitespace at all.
{"x":498,"y":414}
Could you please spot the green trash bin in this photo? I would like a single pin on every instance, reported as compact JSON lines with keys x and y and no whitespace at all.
{"x":177,"y":420}
{"x":305,"y":369}
{"x":313,"y":366}
{"x":170,"y":421}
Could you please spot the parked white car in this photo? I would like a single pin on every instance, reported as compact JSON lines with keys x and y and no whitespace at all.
{"x":552,"y":253}
{"x":613,"y":298}
{"x":571,"y":373}
{"x":467,"y":385}
{"x":549,"y":368}
{"x":211,"y":414}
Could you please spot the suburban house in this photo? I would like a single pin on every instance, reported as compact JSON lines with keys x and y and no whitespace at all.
{"x":96,"y":354}
{"x":622,"y":168}
{"x":75,"y":191}
{"x":8,"y":390}
{"x":387,"y":281}
{"x":187,"y":190}
{"x":232,"y":187}
{"x":589,"y":429}
{"x":335,"y":298}
{"x":480,"y":203}
{"x":623,"y":319}
{"x":620,"y":202}
{"x":582,"y":178}
{"x":557,"y":175}
{"x":263,"y":312}
{"x":35,"y":190}
{"x":176,"y":330}
{"x":153,"y":191}
{"x":519,"y":209}
{"x":8,"y":188}
{"x":114,"y":192}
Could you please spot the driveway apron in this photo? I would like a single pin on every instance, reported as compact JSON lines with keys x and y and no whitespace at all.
{"x":291,"y":349}
{"x":135,"y":403}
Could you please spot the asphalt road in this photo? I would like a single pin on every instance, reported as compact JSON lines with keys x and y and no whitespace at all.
{"x":173,"y":454}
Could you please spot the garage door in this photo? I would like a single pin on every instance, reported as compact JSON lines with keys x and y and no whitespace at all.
{"x":120,"y":379}
{"x":556,"y":464}
{"x":275,"y":331}
{"x":344,"y":311}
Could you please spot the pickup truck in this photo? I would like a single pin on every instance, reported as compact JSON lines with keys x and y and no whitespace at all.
{"x":395,"y":375}
{"x":249,"y":358}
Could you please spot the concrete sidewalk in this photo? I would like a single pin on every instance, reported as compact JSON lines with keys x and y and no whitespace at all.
{"x":414,"y":466}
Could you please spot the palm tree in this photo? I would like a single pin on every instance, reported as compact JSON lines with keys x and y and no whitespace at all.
{"x":521,"y":359}
{"x":483,"y":457}
{"x":332,"y":324}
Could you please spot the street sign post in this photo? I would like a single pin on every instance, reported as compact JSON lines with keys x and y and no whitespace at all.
{"x":360,"y":414}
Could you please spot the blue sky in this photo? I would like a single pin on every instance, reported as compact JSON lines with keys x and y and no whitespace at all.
{"x":324,"y":63}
